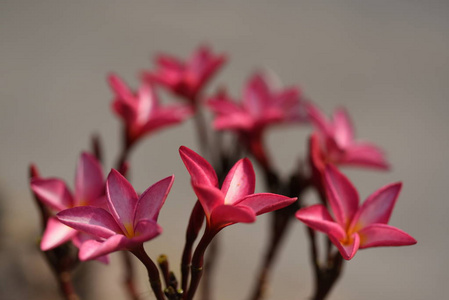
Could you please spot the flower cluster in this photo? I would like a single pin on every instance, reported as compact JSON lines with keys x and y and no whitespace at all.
{"x":105,"y":216}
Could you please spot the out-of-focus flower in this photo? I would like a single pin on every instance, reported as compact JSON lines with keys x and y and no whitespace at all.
{"x":54,"y":193}
{"x":334,"y":143}
{"x":186,"y":79}
{"x":235,"y":202}
{"x":130,"y":221}
{"x":260,"y":107}
{"x":141,"y":111}
{"x":354,"y":227}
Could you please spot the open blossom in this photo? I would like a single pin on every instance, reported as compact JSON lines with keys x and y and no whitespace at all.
{"x":235,"y":202}
{"x":141,"y":111}
{"x":54,"y":193}
{"x":334,"y":143}
{"x":354,"y":227}
{"x":186,"y":79}
{"x":261,"y":106}
{"x":129,"y":221}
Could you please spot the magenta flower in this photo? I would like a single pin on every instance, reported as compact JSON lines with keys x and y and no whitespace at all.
{"x":130,"y":220}
{"x":54,"y":193}
{"x":260,"y":107}
{"x":141,"y":111}
{"x":186,"y":79}
{"x":235,"y":202}
{"x":334,"y":143}
{"x":354,"y":227}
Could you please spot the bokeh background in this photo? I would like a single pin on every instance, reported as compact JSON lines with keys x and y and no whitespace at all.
{"x":387,"y":62}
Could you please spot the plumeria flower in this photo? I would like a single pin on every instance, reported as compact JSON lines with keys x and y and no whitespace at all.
{"x":235,"y":202}
{"x":260,"y":107}
{"x":54,"y":193}
{"x":354,"y":227}
{"x":129,"y":221}
{"x":334,"y":143}
{"x":141,"y":111}
{"x":186,"y":79}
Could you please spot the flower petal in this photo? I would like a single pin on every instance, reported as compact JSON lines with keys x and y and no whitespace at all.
{"x":240,"y":181}
{"x":347,"y":250}
{"x":122,"y":199}
{"x":119,"y":87}
{"x":93,"y":249}
{"x":209,"y":197}
{"x":52,"y":192}
{"x":318,"y":218}
{"x":150,"y":202}
{"x":201,"y":172}
{"x":342,"y":196}
{"x":378,"y":207}
{"x":89,"y":182}
{"x":343,"y":129}
{"x":377,"y":235}
{"x":92,"y":220}
{"x":365,"y":155}
{"x":145,"y":230}
{"x":56,"y":234}
{"x":265,"y":202}
{"x":318,"y":119}
{"x":225,"y":215}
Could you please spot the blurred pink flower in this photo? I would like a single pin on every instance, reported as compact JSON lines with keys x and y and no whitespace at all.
{"x":355,"y":227}
{"x":260,"y":107}
{"x":235,"y":202}
{"x":186,"y":79}
{"x":54,"y":193}
{"x":130,"y":221}
{"x":334,"y":143}
{"x":141,"y":111}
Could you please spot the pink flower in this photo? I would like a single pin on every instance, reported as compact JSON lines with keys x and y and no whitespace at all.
{"x":355,"y":227}
{"x":53,"y":192}
{"x":141,"y":111}
{"x":130,"y":220}
{"x":260,"y":107}
{"x":334,"y":143}
{"x":235,"y":202}
{"x":186,"y":79}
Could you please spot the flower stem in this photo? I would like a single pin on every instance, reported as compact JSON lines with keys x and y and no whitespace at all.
{"x":153,"y":272}
{"x":198,"y":262}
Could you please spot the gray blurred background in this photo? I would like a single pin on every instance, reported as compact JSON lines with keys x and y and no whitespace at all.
{"x":386,"y":61}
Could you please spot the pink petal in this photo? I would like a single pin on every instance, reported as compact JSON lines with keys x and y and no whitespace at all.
{"x":81,"y":238}
{"x":236,"y":121}
{"x":342,"y":196}
{"x":265,"y":202}
{"x":376,"y":235}
{"x":318,"y":218}
{"x":92,"y":220}
{"x":318,"y":119}
{"x":256,"y":96}
{"x":56,"y":234}
{"x":209,"y":197}
{"x":122,"y":199}
{"x":201,"y":172}
{"x":347,"y":250}
{"x":145,"y":230}
{"x":52,"y":192}
{"x":365,"y":155}
{"x":240,"y":181}
{"x":343,"y":129}
{"x":378,"y":207}
{"x":89,"y":183}
{"x":119,"y":87}
{"x":225,"y":215}
{"x":146,"y":103}
{"x":150,"y":202}
{"x":93,"y":249}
